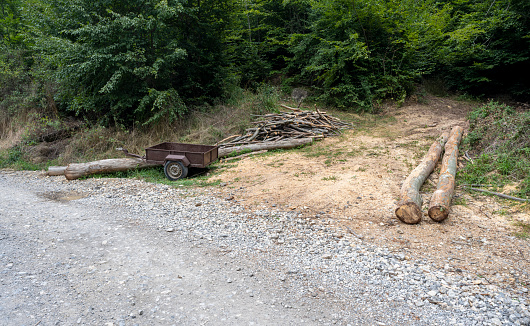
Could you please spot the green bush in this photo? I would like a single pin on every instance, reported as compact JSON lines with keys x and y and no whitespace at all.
{"x":500,"y":136}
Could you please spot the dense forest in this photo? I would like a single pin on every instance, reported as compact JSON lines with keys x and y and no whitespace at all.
{"x":137,"y":62}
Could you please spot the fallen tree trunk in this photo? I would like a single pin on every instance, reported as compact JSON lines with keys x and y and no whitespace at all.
{"x":409,"y":205}
{"x":244,"y":155}
{"x":56,"y":170}
{"x":77,"y":170}
{"x":441,"y":198}
{"x":284,"y":144}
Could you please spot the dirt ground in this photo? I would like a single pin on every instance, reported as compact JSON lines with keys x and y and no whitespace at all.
{"x":353,"y":181}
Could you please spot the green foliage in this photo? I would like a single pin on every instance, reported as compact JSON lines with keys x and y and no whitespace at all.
{"x":487,"y":46}
{"x":266,"y":99}
{"x":14,"y":158}
{"x":10,"y":22}
{"x":501,"y":138}
{"x":138,"y":63}
{"x":360,"y":52}
{"x":134,"y":61}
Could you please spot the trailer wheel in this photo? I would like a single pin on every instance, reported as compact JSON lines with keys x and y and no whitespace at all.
{"x":175,"y":170}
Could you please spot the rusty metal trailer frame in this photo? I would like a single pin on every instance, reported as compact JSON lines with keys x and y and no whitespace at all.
{"x":178,"y":157}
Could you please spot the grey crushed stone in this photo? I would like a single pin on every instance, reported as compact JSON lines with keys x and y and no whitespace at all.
{"x":305,"y":255}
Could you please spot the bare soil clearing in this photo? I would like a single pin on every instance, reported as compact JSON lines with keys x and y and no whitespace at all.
{"x":354,"y":181}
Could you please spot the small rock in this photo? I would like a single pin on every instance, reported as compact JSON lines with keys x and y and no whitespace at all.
{"x":170,"y":230}
{"x":326,"y":256}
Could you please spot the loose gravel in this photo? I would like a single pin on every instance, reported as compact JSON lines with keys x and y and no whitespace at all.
{"x":309,"y":258}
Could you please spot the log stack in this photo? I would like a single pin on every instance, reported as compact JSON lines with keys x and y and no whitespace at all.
{"x":286,"y":126}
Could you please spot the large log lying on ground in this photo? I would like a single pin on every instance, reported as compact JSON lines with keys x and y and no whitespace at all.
{"x":441,"y":198}
{"x":282,"y":144}
{"x":409,"y":205}
{"x":56,"y":170}
{"x":77,"y":170}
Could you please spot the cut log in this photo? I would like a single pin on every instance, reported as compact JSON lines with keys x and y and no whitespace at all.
{"x":292,"y":143}
{"x":244,"y":155}
{"x":409,"y":205}
{"x":56,"y":170}
{"x":441,"y":198}
{"x":77,"y":170}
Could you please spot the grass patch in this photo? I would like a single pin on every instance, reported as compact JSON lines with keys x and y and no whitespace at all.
{"x":15,"y":158}
{"x":499,"y":138}
{"x":460,"y":201}
{"x":525,"y":230}
{"x":196,"y":177}
{"x":332,"y":157}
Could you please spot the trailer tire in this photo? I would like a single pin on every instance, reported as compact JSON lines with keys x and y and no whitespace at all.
{"x":175,"y":170}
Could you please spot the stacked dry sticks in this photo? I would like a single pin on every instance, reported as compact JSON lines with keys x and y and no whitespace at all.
{"x":286,"y":126}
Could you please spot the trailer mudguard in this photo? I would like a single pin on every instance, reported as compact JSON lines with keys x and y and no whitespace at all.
{"x":178,"y":158}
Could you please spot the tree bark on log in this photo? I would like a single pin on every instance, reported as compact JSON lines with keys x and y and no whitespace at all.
{"x":409,"y":205}
{"x":56,"y":170}
{"x":225,"y":151}
{"x":441,"y":198}
{"x":77,"y":170}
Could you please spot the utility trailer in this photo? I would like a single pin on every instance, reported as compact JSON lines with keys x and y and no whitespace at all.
{"x":177,"y":157}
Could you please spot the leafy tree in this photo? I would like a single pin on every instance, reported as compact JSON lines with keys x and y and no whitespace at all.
{"x":487,"y":46}
{"x":360,"y":51}
{"x":10,"y":26}
{"x":259,"y":39}
{"x":136,"y":62}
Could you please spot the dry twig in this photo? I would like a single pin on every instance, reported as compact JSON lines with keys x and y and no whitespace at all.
{"x":498,"y":194}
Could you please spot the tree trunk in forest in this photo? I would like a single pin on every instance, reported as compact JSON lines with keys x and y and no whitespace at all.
{"x":409,"y":206}
{"x":225,"y":151}
{"x":441,"y":198}
{"x":77,"y":170}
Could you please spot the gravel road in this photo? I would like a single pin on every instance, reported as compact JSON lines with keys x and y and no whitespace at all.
{"x":127,"y":252}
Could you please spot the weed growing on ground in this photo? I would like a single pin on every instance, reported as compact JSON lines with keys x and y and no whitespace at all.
{"x":499,"y":138}
{"x":196,"y":177}
{"x":525,"y":230}
{"x":460,"y":201}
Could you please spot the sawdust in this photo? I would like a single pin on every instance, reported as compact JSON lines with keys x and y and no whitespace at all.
{"x":354,"y":182}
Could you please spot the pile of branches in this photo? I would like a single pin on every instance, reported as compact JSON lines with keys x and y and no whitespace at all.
{"x":287,"y":126}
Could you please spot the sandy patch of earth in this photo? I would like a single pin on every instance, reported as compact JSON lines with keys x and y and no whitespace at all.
{"x":353,"y":183}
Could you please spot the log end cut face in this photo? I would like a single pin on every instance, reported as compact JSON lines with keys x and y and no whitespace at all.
{"x":438,"y":213}
{"x":409,"y":213}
